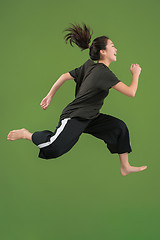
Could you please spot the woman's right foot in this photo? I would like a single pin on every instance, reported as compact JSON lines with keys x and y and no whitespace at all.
{"x":19,"y":134}
{"x":130,"y":169}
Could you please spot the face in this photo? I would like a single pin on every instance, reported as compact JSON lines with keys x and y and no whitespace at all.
{"x":110,"y":52}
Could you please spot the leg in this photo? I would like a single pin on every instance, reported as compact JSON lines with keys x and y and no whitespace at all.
{"x":115,"y":134}
{"x":126,"y":168}
{"x":19,"y":134}
{"x":55,"y":144}
{"x":112,"y":131}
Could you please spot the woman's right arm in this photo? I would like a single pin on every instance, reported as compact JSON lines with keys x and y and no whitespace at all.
{"x":46,"y":101}
{"x":64,"y":77}
{"x":130,"y":91}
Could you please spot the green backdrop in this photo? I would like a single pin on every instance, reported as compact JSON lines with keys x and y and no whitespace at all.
{"x":80,"y":195}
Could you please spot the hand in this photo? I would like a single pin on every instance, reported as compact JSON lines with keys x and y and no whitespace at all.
{"x":135,"y":69}
{"x":46,"y":102}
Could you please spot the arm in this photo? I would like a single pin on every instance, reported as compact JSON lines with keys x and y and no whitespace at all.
{"x":46,"y":101}
{"x":128,"y":91}
{"x":64,"y":77}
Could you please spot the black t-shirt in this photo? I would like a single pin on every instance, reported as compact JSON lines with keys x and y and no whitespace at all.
{"x":93,"y":81}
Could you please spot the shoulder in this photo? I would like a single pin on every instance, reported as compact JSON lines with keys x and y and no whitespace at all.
{"x":109,"y":74}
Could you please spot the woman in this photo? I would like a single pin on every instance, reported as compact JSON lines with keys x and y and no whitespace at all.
{"x":93,"y":81}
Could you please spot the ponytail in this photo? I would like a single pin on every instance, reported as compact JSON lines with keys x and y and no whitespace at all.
{"x":81,"y":36}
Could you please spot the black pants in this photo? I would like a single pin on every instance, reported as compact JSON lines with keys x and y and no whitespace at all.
{"x":111,"y":130}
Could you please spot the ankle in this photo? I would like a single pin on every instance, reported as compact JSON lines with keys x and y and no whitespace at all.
{"x":125,"y":166}
{"x":27,"y":135}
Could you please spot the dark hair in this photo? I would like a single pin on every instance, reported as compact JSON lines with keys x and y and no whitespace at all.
{"x":81,"y":36}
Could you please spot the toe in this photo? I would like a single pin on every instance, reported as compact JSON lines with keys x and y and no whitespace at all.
{"x":144,"y":167}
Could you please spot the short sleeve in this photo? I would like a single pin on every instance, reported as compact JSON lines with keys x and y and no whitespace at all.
{"x":75,"y":73}
{"x":112,"y":80}
{"x":108,"y":79}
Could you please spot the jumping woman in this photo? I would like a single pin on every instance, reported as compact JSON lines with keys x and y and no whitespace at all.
{"x":93,"y":81}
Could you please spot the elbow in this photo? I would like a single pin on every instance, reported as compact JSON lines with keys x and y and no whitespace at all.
{"x":133,"y":94}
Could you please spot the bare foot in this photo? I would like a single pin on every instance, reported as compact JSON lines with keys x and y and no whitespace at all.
{"x":131,"y":169}
{"x":19,"y":134}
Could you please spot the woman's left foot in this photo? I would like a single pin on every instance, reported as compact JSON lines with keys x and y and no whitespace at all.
{"x":131,"y":169}
{"x":18,"y":134}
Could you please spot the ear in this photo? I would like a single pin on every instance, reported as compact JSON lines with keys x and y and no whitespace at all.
{"x":102,"y":51}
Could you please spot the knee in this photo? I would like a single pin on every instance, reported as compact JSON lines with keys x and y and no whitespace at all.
{"x":50,"y":152}
{"x":55,"y":152}
{"x":122,"y":126}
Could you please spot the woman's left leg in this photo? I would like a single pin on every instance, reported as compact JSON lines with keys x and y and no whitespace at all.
{"x":112,"y":131}
{"x":115,"y":134}
{"x":126,"y":168}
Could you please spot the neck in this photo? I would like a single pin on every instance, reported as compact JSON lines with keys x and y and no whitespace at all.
{"x":106,"y":62}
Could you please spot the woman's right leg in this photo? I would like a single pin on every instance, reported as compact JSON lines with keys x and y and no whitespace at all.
{"x":19,"y":134}
{"x":55,"y":144}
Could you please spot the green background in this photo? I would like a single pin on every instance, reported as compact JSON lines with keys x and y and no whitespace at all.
{"x":80,"y":195}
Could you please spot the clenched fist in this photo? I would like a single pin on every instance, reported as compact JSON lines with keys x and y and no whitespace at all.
{"x":135,"y":69}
